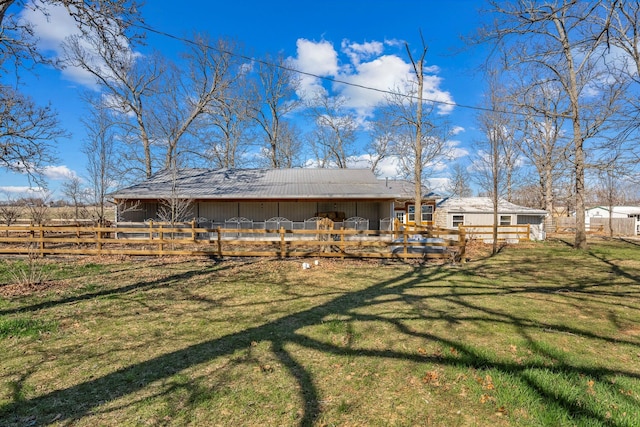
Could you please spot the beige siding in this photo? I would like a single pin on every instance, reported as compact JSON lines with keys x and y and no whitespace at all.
{"x":370,"y":211}
{"x":258,"y":211}
{"x":472,"y":219}
{"x":349,"y":208}
{"x":143,"y":212}
{"x":217,"y":211}
{"x":298,"y":211}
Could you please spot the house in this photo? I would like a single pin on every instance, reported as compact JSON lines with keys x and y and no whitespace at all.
{"x":453,"y":212}
{"x":272,"y":197}
{"x":404,"y":206}
{"x":601,"y":212}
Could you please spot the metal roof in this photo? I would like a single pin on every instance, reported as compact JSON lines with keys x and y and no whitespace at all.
{"x":485,"y":205}
{"x":625,"y":210}
{"x":263,"y":184}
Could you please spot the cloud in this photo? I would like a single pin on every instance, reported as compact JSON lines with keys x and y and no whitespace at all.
{"x":359,"y":51}
{"x":52,"y":29}
{"x":58,"y":173}
{"x":363,"y":73}
{"x":317,"y":58}
{"x":53,"y":25}
{"x":13,"y":191}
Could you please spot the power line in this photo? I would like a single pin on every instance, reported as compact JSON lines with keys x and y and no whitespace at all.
{"x":343,"y":82}
{"x":305,"y":73}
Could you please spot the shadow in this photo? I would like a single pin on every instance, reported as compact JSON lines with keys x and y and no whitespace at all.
{"x":136,"y":287}
{"x":73,"y":403}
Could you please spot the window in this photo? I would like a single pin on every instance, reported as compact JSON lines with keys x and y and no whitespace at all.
{"x":411,"y":213}
{"x":505,"y":219}
{"x":458,"y":220}
{"x":400,"y":216}
{"x":427,"y":213}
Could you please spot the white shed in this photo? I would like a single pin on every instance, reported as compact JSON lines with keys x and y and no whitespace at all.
{"x":616,"y":212}
{"x":453,"y":212}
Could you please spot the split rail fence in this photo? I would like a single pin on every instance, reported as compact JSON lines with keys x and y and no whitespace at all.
{"x":506,"y":233}
{"x":160,"y":240}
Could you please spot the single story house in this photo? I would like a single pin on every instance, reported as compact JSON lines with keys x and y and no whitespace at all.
{"x":601,"y":212}
{"x":404,"y":207}
{"x":220,"y":196}
{"x":468,"y":211}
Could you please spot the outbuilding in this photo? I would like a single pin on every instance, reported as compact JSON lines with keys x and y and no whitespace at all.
{"x":263,"y":197}
{"x":470,"y":211}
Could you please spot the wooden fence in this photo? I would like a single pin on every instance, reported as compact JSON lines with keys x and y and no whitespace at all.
{"x":506,"y":233}
{"x":159,"y":240}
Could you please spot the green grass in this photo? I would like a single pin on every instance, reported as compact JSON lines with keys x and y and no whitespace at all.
{"x":539,"y":335}
{"x":21,"y":327}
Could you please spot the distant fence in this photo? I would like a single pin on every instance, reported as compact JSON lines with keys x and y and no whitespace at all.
{"x":620,"y":226}
{"x":158,"y":239}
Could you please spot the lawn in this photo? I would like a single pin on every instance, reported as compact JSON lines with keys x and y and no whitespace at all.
{"x":538,"y":335}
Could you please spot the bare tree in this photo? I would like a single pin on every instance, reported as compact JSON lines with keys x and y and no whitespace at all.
{"x":28,"y":131}
{"x":275,"y":89}
{"x":38,"y":209}
{"x":542,"y":139}
{"x":556,"y":40}
{"x":27,"y":134}
{"x":99,"y":148}
{"x":459,"y":182}
{"x":127,"y":84}
{"x":421,"y":134}
{"x":620,"y":20}
{"x":187,"y":96}
{"x":334,"y":134}
{"x":10,"y":211}
{"x":73,"y":189}
{"x":224,"y":132}
{"x":381,"y":140}
{"x":175,"y":208}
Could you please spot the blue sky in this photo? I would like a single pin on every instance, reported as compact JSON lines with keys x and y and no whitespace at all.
{"x":354,"y":40}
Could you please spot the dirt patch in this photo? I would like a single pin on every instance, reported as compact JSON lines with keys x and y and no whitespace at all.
{"x":13,"y":290}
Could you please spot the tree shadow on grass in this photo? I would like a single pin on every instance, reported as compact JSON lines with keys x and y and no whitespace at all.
{"x":75,"y":402}
{"x":110,"y":292}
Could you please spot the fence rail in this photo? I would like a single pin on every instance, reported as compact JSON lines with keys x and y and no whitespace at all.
{"x":506,"y":233}
{"x":158,"y":240}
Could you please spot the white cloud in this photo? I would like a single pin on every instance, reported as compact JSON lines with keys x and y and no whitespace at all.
{"x":53,"y":25}
{"x":15,"y":191}
{"x":318,"y":58}
{"x":53,"y":28}
{"x":357,"y":51}
{"x":368,"y":72}
{"x":58,"y":173}
{"x":383,"y":74}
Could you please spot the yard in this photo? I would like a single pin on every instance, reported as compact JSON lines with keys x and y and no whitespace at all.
{"x":540,"y":334}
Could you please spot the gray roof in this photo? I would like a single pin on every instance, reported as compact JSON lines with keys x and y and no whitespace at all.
{"x":407,"y":189}
{"x":264,"y":184}
{"x":485,"y":205}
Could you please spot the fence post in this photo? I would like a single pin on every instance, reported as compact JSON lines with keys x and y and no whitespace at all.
{"x":282,"y":243}
{"x":99,"y":238}
{"x":219,"y":242}
{"x":161,"y":237}
{"x":41,"y":240}
{"x":150,"y":229}
{"x":193,"y":230}
{"x":462,"y":236}
{"x":405,"y":241}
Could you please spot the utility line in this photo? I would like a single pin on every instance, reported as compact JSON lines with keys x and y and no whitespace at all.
{"x":305,"y":73}
{"x":343,"y":82}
